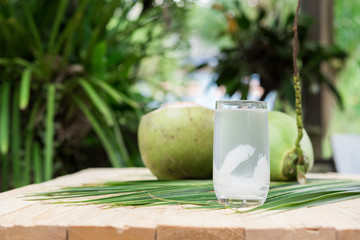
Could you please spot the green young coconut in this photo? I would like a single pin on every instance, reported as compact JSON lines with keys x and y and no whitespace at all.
{"x":282,"y":136}
{"x":176,"y":141}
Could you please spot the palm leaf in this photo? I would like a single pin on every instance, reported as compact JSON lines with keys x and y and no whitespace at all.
{"x":49,"y":132}
{"x":119,"y":140}
{"x":101,"y":132}
{"x":25,"y":85}
{"x":15,"y":137}
{"x":33,"y":27}
{"x":37,"y":163}
{"x":200,"y":194}
{"x":118,"y":96}
{"x":5,"y":172}
{"x":101,"y":27}
{"x":4,"y":117}
{"x":29,"y":143}
{"x":55,"y":28}
{"x":73,"y":28}
{"x":69,"y":30}
{"x":98,"y":102}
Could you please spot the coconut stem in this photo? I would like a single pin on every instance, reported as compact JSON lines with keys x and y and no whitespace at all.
{"x":300,"y":166}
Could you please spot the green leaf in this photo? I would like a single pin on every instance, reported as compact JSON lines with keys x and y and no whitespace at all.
{"x":118,"y":96}
{"x":29,"y":138}
{"x":98,"y":102}
{"x":33,"y":114}
{"x":98,"y":61}
{"x":27,"y":157}
{"x":101,"y":27}
{"x":33,"y":27}
{"x":4,"y":117}
{"x":5,"y":172}
{"x":55,"y":28}
{"x":110,"y":149}
{"x":25,"y":85}
{"x":69,"y":30}
{"x":26,"y":64}
{"x":15,"y":138}
{"x":49,"y":132}
{"x":261,"y":15}
{"x":70,"y":41}
{"x":120,"y":141}
{"x":37,"y":163}
{"x":243,"y":22}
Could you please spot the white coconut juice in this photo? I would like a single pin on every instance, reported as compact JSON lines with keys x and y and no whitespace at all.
{"x":241,"y":166}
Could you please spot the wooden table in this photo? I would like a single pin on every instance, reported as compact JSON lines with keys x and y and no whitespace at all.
{"x":21,"y":219}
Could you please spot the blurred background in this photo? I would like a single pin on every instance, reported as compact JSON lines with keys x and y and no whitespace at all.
{"x":77,"y":75}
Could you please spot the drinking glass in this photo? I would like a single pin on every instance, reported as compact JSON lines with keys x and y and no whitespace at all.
{"x":241,"y":166}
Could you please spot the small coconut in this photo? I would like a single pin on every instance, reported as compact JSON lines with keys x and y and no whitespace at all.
{"x":176,"y":141}
{"x":282,"y":136}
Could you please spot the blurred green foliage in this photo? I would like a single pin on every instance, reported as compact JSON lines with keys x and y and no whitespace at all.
{"x":67,"y":74}
{"x":261,"y":42}
{"x":346,"y":35}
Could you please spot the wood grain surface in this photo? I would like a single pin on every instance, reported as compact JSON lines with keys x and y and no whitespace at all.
{"x":32,"y":220}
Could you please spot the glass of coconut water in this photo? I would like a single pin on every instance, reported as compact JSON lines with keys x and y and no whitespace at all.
{"x":241,"y":167}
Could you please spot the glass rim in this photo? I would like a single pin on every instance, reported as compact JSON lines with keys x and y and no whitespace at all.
{"x":240,"y":104}
{"x":241,"y":101}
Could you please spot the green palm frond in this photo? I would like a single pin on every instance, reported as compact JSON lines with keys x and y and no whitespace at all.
{"x":119,"y":97}
{"x":200,"y":194}
{"x":4,"y":117}
{"x":102,"y":133}
{"x":56,"y":25}
{"x":28,"y":148}
{"x":16,"y":138}
{"x":25,"y":86}
{"x":97,"y":100}
{"x":50,"y":128}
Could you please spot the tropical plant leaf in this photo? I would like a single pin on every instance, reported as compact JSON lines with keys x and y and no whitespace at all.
{"x":4,"y":159}
{"x":37,"y":163}
{"x":25,"y":85}
{"x":49,"y":132}
{"x":200,"y":194}
{"x":70,"y":40}
{"x":33,"y":27}
{"x":69,"y":31}
{"x":29,"y":143}
{"x":119,"y":140}
{"x":118,"y":96}
{"x":55,"y":28}
{"x":99,"y":60}
{"x":25,"y":63}
{"x":110,"y":149}
{"x":98,"y":102}
{"x":101,"y":27}
{"x":4,"y":117}
{"x":15,"y":137}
